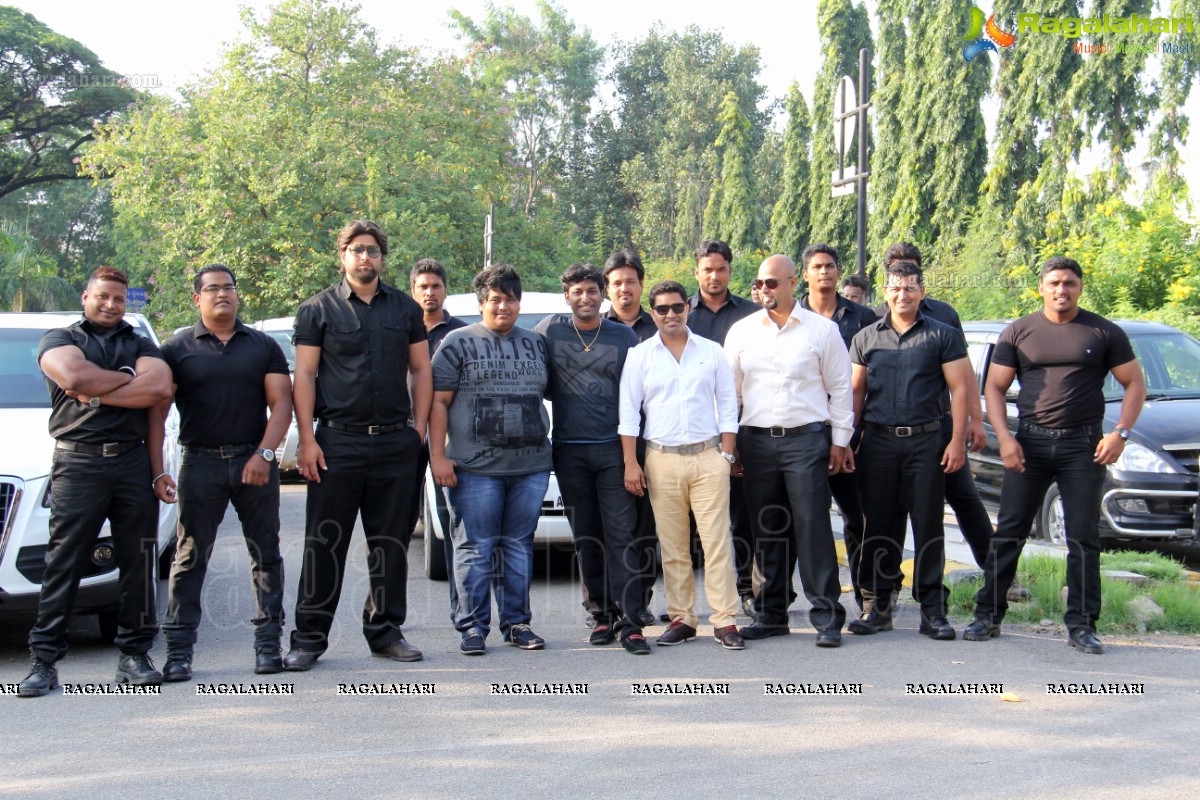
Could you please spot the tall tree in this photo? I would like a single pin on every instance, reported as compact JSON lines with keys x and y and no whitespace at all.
{"x":730,"y":214}
{"x":53,"y":91}
{"x":790,"y":218}
{"x":887,"y":126}
{"x":845,"y":29}
{"x":1178,"y":73}
{"x":29,"y":280}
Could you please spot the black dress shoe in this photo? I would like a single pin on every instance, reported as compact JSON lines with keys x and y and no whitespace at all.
{"x":298,"y":660}
{"x":829,"y":638}
{"x":937,"y":628}
{"x":267,"y":661}
{"x":981,"y":629}
{"x":399,"y":650}
{"x":757,"y":630}
{"x":645,"y":618}
{"x":137,"y":669}
{"x":1085,"y":641}
{"x":42,"y":677}
{"x":869,"y":623}
{"x":177,"y":669}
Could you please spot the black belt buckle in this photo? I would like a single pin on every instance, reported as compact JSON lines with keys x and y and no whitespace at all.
{"x":374,"y":430}
{"x":904,"y":431}
{"x":782,"y":431}
{"x":110,"y":449}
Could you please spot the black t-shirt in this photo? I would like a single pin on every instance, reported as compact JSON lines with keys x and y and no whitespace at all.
{"x":850,"y":317}
{"x":715,"y":325}
{"x":585,"y":386}
{"x":109,"y":349}
{"x":1062,"y":367}
{"x":439,"y":331}
{"x":220,"y":389}
{"x":643,"y":327}
{"x":362,"y":378}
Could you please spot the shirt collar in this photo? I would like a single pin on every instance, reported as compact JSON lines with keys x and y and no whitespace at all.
{"x":96,"y":330}
{"x":344,"y":291}
{"x":199,"y":330}
{"x":886,"y":319}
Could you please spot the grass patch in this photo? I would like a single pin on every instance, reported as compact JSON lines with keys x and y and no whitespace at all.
{"x":1045,"y":576}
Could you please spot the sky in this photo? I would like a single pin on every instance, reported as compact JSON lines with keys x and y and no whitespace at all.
{"x":177,"y":42}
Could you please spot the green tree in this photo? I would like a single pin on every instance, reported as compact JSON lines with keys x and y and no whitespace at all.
{"x":730,"y":213}
{"x":71,"y":221}
{"x":790,"y":217}
{"x":29,"y":280}
{"x":1178,"y":72}
{"x":888,"y":126}
{"x":53,"y":91}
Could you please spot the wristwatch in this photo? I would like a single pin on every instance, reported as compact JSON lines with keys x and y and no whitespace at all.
{"x":1122,"y":433}
{"x":728,"y":457}
{"x":267,"y":455}
{"x":94,"y":402}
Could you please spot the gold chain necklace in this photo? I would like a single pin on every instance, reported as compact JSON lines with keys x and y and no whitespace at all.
{"x":587,"y":348}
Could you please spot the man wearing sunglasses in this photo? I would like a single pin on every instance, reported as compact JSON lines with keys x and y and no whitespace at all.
{"x":684,"y":386}
{"x":358,"y":345}
{"x":792,"y":373}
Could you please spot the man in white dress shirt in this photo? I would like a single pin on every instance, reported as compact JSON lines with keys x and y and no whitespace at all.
{"x":792,"y":374}
{"x":685,"y":387}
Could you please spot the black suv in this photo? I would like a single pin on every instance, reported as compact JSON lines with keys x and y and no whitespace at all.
{"x":1150,"y":493}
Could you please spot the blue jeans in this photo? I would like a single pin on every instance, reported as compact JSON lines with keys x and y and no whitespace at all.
{"x":493,"y":519}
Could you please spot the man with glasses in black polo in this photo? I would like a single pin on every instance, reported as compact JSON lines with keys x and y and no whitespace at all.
{"x":358,"y":344}
{"x":227,"y":377}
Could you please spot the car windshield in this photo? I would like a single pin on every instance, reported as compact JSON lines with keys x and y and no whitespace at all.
{"x":284,"y":337}
{"x":1170,"y":362}
{"x":21,"y":382}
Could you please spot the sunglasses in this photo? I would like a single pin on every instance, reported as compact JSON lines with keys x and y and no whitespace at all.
{"x":677,"y":308}
{"x":770,"y":283}
{"x":358,"y":249}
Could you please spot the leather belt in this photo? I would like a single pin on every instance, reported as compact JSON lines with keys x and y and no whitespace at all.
{"x":1056,"y":433}
{"x":684,"y":449}
{"x":224,"y":451}
{"x":370,"y":430}
{"x":108,"y":449}
{"x":905,"y":431}
{"x":778,"y":431}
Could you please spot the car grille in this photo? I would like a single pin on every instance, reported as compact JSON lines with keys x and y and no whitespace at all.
{"x":1187,"y":454}
{"x":8,"y":493}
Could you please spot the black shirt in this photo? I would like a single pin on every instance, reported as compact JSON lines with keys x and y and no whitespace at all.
{"x":850,"y":317}
{"x":220,"y":389}
{"x":439,"y":331}
{"x":110,"y":349}
{"x":585,"y":386}
{"x":904,"y":371}
{"x":702,"y":321}
{"x":1062,"y":367}
{"x":362,"y":378}
{"x":643,"y":327}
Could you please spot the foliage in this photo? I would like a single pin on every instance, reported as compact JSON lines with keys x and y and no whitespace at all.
{"x":790,"y":218}
{"x":730,"y":214}
{"x":1178,"y":72}
{"x":71,"y":221}
{"x":28,"y":278}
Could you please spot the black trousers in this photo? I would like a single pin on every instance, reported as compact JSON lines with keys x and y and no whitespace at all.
{"x":787,"y":493}
{"x":208,"y":483}
{"x":603,"y":517}
{"x":371,"y":476}
{"x":743,"y":536}
{"x":87,"y":490}
{"x":963,"y":498}
{"x":844,"y":487}
{"x":902,"y":478}
{"x":1080,"y":481}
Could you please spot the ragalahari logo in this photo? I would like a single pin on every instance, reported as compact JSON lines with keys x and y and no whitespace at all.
{"x":983,"y":37}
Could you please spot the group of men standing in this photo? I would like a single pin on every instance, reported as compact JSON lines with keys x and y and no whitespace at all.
{"x":744,"y":419}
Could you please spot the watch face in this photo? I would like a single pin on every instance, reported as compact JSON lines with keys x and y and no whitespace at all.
{"x":94,"y":402}
{"x":268,"y":455}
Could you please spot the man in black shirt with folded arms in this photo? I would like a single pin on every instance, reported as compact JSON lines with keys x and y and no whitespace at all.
{"x":357,"y":343}
{"x":226,"y":378}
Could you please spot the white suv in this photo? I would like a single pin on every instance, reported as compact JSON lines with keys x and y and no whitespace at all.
{"x":25,"y":479}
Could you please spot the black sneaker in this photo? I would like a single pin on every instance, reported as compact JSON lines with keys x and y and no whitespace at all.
{"x":980,"y":630}
{"x":473,"y":643}
{"x":42,"y":677}
{"x":636,"y":644}
{"x":138,"y":669}
{"x":522,"y":636}
{"x":602,"y":635}
{"x":178,"y":668}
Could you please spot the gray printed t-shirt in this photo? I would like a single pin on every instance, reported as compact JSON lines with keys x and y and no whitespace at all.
{"x":498,"y":422}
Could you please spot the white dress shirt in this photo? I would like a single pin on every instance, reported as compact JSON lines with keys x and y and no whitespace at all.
{"x":794,"y":375}
{"x":686,"y":401}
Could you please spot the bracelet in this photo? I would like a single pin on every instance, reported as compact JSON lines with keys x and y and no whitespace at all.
{"x":159,"y":477}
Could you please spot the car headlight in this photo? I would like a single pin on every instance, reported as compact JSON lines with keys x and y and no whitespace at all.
{"x":1137,"y":458}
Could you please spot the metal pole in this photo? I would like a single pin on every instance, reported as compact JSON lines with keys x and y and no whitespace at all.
{"x":864,"y":96}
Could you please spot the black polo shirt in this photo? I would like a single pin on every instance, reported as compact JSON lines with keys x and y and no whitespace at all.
{"x":850,"y":317}
{"x":362,"y":378}
{"x":643,"y":326}
{"x":904,"y":371}
{"x":220,"y":388}
{"x":439,"y":331}
{"x":715,"y":326}
{"x":119,"y":346}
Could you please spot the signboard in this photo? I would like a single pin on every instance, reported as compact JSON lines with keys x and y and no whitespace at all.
{"x":135,"y":299}
{"x":844,"y":97}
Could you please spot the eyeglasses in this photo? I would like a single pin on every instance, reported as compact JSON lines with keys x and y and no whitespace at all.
{"x":677,"y":308}
{"x":770,"y":283}
{"x":228,"y":288}
{"x":370,"y":249}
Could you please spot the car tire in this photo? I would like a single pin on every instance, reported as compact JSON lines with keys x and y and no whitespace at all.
{"x":107,"y":620}
{"x":435,"y":551}
{"x":1051,"y":523}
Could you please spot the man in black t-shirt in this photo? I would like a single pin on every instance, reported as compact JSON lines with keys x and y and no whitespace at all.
{"x":102,"y":378}
{"x":1062,"y":355}
{"x":226,"y":378}
{"x":586,"y":355}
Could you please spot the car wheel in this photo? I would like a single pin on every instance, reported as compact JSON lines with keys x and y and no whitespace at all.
{"x":108,"y":625}
{"x":1051,"y":522}
{"x":435,"y":550}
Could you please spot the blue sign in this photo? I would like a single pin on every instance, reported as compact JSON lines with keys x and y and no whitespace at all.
{"x":135,"y":299}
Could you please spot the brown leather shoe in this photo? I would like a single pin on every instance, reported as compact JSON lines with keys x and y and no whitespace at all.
{"x":676,"y":633}
{"x":729,"y":638}
{"x":399,"y":650}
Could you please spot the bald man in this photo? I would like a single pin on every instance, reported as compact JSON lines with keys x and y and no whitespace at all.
{"x":792,"y":374}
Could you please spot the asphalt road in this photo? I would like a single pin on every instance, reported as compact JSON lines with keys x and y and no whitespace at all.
{"x":885,"y":739}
